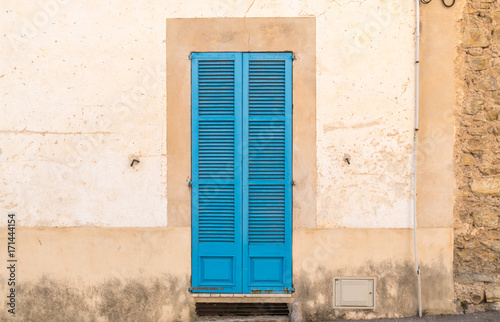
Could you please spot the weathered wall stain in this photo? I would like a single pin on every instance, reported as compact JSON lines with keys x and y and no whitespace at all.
{"x":53,"y":300}
{"x":396,"y":291}
{"x":433,"y":276}
{"x":149,"y":299}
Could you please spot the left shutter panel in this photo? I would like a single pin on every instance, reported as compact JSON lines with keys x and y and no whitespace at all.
{"x":216,"y":173}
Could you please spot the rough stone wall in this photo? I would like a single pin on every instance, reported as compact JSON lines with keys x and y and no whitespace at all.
{"x":477,"y":157}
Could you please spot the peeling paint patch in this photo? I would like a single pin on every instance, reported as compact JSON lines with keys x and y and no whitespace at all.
{"x":333,"y":127}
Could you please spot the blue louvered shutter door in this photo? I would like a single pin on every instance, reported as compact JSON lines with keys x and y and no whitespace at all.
{"x":216,"y":172}
{"x":267,"y":172}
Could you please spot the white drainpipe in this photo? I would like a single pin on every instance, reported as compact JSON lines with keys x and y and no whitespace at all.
{"x":415,"y":137}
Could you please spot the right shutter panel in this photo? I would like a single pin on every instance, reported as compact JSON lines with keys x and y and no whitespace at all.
{"x":216,"y":172}
{"x":267,"y":130}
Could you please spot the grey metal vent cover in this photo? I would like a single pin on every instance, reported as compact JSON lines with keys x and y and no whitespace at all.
{"x":354,"y":292}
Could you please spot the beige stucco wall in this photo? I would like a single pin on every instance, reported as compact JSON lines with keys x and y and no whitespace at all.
{"x":84,"y":93}
{"x":437,"y":105}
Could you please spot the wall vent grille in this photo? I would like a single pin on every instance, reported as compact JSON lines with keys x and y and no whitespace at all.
{"x":241,"y":309}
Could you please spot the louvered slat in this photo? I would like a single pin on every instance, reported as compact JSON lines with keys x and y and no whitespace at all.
{"x":266,"y":88}
{"x":266,"y":213}
{"x":216,"y":149}
{"x":266,"y":150}
{"x":216,"y":213}
{"x":216,"y":87}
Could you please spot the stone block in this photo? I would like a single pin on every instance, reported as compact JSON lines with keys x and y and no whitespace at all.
{"x":475,"y":146}
{"x":486,"y":185}
{"x":495,"y":17}
{"x":472,"y":309}
{"x":496,"y":35}
{"x":493,"y":115}
{"x":495,"y":130}
{"x":491,"y":235}
{"x":475,"y":105}
{"x":469,"y":293}
{"x":468,"y":159}
{"x":474,"y":51}
{"x":484,"y":5}
{"x":488,"y":171}
{"x":487,"y":82}
{"x":472,"y":277}
{"x":493,"y":293}
{"x":481,"y":131}
{"x":486,"y":218}
{"x":480,"y":63}
{"x":496,"y":98}
{"x":495,"y":73}
{"x":475,"y":37}
{"x":495,"y":246}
